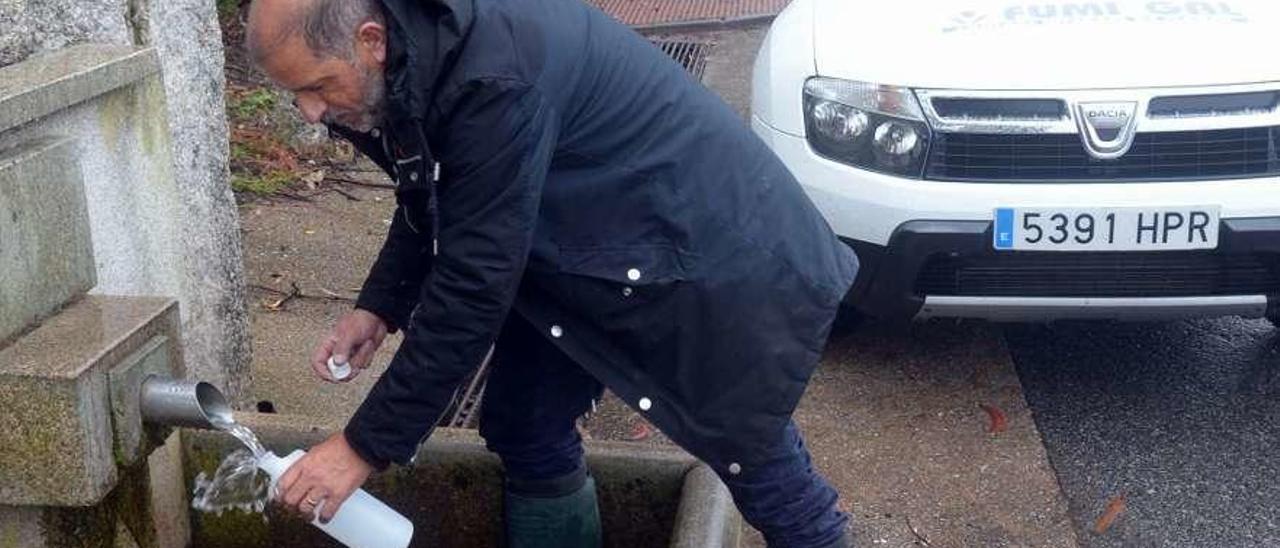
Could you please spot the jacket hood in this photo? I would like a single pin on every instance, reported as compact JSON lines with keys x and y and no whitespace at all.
{"x":423,"y":40}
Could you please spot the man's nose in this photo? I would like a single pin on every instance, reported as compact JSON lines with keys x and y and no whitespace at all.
{"x":312,"y":111}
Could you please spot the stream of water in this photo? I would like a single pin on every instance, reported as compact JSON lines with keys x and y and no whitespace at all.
{"x":242,"y":433}
{"x":238,"y":483}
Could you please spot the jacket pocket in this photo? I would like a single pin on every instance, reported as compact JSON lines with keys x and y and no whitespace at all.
{"x":632,"y":265}
{"x":634,"y":294}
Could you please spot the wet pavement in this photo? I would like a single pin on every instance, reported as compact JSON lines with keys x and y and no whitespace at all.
{"x":1180,"y":418}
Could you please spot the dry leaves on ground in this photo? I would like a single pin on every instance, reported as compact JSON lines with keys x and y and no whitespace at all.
{"x":640,"y":430}
{"x":1109,"y":516}
{"x":998,"y":421}
{"x":314,"y":178}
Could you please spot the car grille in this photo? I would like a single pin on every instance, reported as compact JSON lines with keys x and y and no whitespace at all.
{"x":1162,"y":156}
{"x":1168,"y":274}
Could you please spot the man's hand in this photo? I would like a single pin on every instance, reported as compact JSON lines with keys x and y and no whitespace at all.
{"x":323,"y":478}
{"x":353,"y":340}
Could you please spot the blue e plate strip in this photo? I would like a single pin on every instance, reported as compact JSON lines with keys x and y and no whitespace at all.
{"x":1004,"y":228}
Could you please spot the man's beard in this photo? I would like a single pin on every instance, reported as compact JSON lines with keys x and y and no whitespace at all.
{"x":369,"y":114}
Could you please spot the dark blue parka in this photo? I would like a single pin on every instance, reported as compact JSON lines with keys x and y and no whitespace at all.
{"x":580,"y":178}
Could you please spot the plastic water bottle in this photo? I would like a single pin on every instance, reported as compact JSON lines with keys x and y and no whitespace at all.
{"x":362,"y":522}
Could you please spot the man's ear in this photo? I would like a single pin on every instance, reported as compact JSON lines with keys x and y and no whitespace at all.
{"x":371,"y":42}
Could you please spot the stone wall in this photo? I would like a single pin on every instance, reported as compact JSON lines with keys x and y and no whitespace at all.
{"x":193,"y":250}
{"x":31,"y":26}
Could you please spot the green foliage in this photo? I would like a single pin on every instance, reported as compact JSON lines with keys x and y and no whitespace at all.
{"x":228,"y":8}
{"x":254,"y":104}
{"x":268,"y":183}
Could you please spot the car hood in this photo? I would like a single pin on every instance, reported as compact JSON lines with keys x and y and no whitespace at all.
{"x":1007,"y":44}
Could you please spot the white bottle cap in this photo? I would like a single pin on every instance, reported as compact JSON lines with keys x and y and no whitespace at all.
{"x":339,"y":371}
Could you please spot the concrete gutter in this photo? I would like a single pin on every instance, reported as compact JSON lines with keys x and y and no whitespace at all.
{"x":453,"y":491}
{"x":707,"y":517}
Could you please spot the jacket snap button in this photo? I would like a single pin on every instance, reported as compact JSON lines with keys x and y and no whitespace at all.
{"x":557,"y":331}
{"x":375,"y":133}
{"x":627,"y":291}
{"x":735,"y":468}
{"x":633,"y":274}
{"x":413,"y":176}
{"x":645,"y":404}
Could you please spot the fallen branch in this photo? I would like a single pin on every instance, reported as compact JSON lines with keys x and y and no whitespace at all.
{"x":345,"y":181}
{"x":329,"y":295}
{"x":917,"y":533}
{"x":294,"y":196}
{"x":348,"y":195}
{"x":276,"y":306}
{"x":350,"y":169}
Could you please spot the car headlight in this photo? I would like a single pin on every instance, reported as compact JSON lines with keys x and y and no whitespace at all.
{"x":880,"y":128}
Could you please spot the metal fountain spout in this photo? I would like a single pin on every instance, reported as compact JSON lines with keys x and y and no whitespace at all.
{"x":185,"y":403}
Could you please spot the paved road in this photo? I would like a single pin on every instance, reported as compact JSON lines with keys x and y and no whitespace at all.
{"x":1183,"y":418}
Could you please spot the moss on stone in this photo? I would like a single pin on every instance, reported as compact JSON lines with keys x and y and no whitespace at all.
{"x":9,"y":536}
{"x":97,"y":526}
{"x":230,"y":529}
{"x":133,"y":500}
{"x":153,"y":118}
{"x":92,"y":527}
{"x":139,"y":108}
{"x":38,"y":431}
{"x":113,"y":111}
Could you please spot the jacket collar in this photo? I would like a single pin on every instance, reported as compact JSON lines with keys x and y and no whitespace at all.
{"x":424,"y":38}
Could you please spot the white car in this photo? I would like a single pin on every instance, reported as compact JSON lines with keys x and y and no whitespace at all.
{"x":1025,"y":161}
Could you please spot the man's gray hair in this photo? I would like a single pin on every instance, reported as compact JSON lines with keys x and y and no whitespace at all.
{"x":329,"y":26}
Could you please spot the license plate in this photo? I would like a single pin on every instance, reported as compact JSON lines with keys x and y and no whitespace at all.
{"x":1106,"y":229}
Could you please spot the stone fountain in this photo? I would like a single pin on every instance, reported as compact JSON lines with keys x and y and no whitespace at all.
{"x":78,"y":467}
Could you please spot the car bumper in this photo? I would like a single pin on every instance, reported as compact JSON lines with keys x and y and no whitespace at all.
{"x":892,"y":280}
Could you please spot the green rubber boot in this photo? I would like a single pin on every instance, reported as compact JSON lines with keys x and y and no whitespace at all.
{"x":565,"y":521}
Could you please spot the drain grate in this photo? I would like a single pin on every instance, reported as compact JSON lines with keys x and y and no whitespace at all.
{"x":661,"y":12}
{"x":691,"y":55}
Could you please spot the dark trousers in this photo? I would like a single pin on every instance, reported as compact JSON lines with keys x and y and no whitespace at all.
{"x":536,"y":393}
